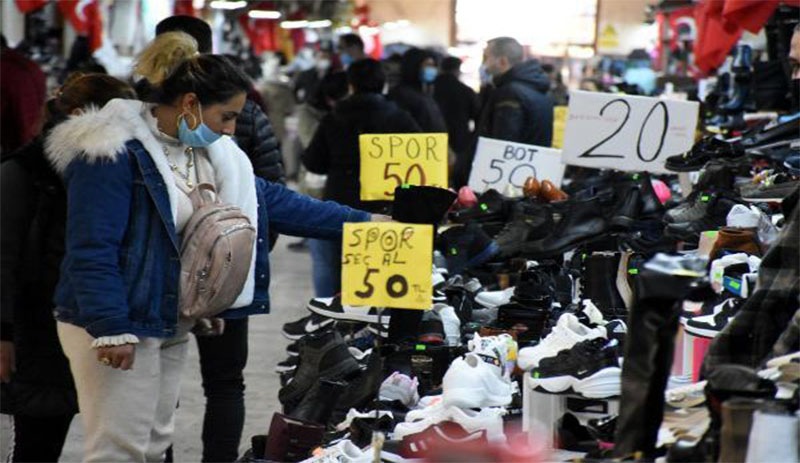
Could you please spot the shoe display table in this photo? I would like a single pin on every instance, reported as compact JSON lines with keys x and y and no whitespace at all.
{"x":542,"y":410}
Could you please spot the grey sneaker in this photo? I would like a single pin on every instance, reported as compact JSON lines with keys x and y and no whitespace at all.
{"x":685,"y":266}
{"x":773,"y":189}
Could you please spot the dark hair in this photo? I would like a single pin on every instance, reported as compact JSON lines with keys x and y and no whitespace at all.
{"x":332,"y":87}
{"x":508,"y":47}
{"x":451,"y":64}
{"x":81,"y":90}
{"x":212,"y":77}
{"x":352,"y":40}
{"x":410,"y":65}
{"x":195,"y":27}
{"x":366,"y":76}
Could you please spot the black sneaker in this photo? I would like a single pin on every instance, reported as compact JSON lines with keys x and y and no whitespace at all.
{"x":288,"y":365}
{"x":580,"y":222}
{"x":714,"y":208}
{"x":431,"y":331}
{"x":709,"y":326}
{"x":703,"y":151}
{"x":491,"y":207}
{"x":465,"y":247}
{"x":590,"y":368}
{"x":306,"y":325}
{"x":529,"y":221}
{"x":603,"y":429}
{"x":332,"y":307}
{"x":323,"y":355}
{"x":293,"y":349}
{"x":528,"y":321}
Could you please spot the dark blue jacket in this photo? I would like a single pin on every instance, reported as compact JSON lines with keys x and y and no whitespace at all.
{"x":122,"y":264}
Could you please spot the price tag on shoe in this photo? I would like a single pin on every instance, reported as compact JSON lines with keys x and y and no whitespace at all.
{"x":499,"y":163}
{"x":392,"y":160}
{"x":629,"y":133}
{"x":387,"y":265}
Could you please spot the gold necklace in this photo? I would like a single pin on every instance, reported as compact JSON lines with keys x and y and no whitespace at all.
{"x":189,"y":164}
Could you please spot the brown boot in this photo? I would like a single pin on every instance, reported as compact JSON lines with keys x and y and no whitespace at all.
{"x":550,"y":193}
{"x":532,"y":188}
{"x":736,"y":240}
{"x":737,"y":418}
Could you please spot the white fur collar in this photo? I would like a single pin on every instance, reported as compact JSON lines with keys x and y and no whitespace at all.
{"x":101,"y":134}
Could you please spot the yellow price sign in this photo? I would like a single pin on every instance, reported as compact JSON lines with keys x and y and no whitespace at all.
{"x":392,"y":160}
{"x":559,"y":124}
{"x":387,"y":265}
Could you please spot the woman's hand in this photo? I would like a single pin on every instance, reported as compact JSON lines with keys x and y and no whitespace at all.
{"x":117,"y":356}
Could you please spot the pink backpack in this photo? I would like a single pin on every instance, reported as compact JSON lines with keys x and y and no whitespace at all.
{"x":215,"y":255}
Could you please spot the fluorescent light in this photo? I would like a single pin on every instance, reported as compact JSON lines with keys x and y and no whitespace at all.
{"x":224,"y":5}
{"x":264,"y":14}
{"x":320,"y":23}
{"x":294,"y":24}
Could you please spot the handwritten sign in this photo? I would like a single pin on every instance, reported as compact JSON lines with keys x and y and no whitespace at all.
{"x":387,"y":265}
{"x":623,"y":132}
{"x":391,"y":160}
{"x":499,"y":163}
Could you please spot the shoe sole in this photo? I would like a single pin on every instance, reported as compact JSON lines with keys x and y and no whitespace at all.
{"x":279,"y":369}
{"x":604,"y":383}
{"x":763,"y":200}
{"x":355,"y":317}
{"x":295,"y":337}
{"x":708,"y":333}
{"x":474,"y":397}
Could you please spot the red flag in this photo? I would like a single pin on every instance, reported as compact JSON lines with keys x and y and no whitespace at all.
{"x":715,"y":36}
{"x":184,"y":8}
{"x":28,"y":6}
{"x":749,"y":14}
{"x":85,"y":18}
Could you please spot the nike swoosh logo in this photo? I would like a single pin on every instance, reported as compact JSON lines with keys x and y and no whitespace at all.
{"x":311,"y":326}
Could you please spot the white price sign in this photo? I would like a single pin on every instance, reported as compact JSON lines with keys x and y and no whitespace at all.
{"x":499,"y":163}
{"x":623,"y":132}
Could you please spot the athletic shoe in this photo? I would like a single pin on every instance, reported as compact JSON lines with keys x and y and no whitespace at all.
{"x":471,"y":382}
{"x":465,"y":247}
{"x":499,"y":351}
{"x":489,"y":420}
{"x":293,"y":349}
{"x":306,"y":325}
{"x":709,"y":326}
{"x":774,"y":189}
{"x":344,"y":451}
{"x":368,"y":415}
{"x":492,"y":299}
{"x":687,"y":396}
{"x":285,"y":366}
{"x":400,"y":387}
{"x":332,"y":307}
{"x":361,"y":356}
{"x":567,"y":333}
{"x":451,"y":323}
{"x":431,"y":329}
{"x":445,"y":434}
{"x":591,"y":368}
{"x":684,"y":266}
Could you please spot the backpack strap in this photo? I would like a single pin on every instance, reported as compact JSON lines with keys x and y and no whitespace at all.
{"x":204,"y":194}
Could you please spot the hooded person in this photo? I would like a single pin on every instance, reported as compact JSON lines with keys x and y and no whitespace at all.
{"x":413,"y":93}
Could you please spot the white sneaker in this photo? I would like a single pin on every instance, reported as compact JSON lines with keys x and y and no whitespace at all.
{"x":592,"y":312}
{"x":567,"y":332}
{"x":488,"y":419}
{"x":344,"y":451}
{"x":492,"y":299}
{"x":358,"y":354}
{"x":353,"y":414}
{"x":471,"y":382}
{"x":400,"y":387}
{"x":451,"y":323}
{"x":500,"y":351}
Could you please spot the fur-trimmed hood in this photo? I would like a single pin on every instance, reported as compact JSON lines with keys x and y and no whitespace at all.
{"x":101,"y":134}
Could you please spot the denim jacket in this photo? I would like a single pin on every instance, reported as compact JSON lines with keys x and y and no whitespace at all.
{"x":122,"y":264}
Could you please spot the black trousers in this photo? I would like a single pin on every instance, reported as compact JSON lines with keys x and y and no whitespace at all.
{"x":222,"y":362}
{"x":39,"y":439}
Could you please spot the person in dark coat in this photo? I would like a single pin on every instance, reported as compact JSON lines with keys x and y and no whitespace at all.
{"x":38,"y":389}
{"x":459,"y":106}
{"x":224,"y":357}
{"x":334,"y":150}
{"x":22,"y":96}
{"x":518,"y":109}
{"x":413,"y":94}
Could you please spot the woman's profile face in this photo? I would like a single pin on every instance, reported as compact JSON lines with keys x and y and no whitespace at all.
{"x":219,"y":117}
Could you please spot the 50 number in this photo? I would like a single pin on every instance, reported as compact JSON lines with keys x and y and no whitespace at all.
{"x":396,"y":285}
{"x":399,"y":180}
{"x":516,"y":173}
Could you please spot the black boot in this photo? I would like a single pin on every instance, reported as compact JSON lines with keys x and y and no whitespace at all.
{"x":652,"y":324}
{"x":599,"y":284}
{"x":580,"y":221}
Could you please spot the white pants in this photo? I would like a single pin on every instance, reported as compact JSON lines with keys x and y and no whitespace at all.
{"x":128,"y":416}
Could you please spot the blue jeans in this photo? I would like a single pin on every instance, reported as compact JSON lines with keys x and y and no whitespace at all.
{"x":326,"y":266}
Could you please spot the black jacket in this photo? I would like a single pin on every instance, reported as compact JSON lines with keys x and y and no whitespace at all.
{"x":519,"y":109}
{"x":255,"y":137}
{"x":334,"y":149}
{"x":459,"y":105}
{"x":33,"y":206}
{"x":409,"y":95}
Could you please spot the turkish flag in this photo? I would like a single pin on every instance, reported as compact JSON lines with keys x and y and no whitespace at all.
{"x":28,"y":6}
{"x":85,"y":18}
{"x":749,"y":14}
{"x":715,"y":35}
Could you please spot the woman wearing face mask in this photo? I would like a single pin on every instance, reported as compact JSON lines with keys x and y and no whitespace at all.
{"x":413,"y":93}
{"x":128,"y":170}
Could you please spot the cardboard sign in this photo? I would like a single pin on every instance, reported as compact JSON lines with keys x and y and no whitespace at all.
{"x":631,"y":133}
{"x":387,"y":265}
{"x":559,"y":124}
{"x":391,"y":160}
{"x":499,"y":163}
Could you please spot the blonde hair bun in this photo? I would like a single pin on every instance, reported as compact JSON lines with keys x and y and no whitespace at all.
{"x":165,"y":53}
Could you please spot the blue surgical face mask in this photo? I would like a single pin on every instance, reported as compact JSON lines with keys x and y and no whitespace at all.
{"x":198,"y":137}
{"x":485,"y":77}
{"x":346,"y":59}
{"x":428,"y":74}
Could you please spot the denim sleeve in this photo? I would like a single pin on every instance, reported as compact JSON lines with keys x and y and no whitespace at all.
{"x":291,"y":213}
{"x":98,"y":206}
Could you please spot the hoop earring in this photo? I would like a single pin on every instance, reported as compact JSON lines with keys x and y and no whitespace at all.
{"x":183,"y":115}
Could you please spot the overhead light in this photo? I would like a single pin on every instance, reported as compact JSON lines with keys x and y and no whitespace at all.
{"x":225,"y":5}
{"x":294,"y":24}
{"x":319,"y":24}
{"x":264,"y":14}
